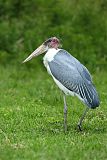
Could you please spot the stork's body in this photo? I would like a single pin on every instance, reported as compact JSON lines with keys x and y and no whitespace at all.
{"x":69,"y":74}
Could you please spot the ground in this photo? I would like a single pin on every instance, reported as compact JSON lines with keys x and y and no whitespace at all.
{"x":31,"y":118}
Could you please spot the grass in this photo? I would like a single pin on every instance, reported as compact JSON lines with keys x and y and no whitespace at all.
{"x":31,"y":118}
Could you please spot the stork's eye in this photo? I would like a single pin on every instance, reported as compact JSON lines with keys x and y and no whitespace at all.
{"x":49,"y":40}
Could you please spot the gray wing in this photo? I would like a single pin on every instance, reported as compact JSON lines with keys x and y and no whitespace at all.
{"x":74,"y":76}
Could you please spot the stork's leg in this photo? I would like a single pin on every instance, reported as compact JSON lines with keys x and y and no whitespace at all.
{"x":65,"y":113}
{"x":81,"y":119}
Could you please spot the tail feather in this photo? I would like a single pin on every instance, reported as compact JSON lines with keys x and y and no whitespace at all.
{"x":89,"y":95}
{"x":93,"y":101}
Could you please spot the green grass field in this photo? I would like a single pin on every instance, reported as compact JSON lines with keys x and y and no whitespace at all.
{"x":31,"y":118}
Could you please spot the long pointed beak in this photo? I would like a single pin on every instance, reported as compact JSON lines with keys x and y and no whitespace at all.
{"x":41,"y":49}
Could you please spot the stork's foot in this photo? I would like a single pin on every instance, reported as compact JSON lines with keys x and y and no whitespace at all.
{"x":81,"y":120}
{"x":79,"y":127}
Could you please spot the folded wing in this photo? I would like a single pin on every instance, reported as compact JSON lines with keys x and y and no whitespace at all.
{"x":75,"y":77}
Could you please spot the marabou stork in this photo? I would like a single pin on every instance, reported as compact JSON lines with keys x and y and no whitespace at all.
{"x":69,"y":74}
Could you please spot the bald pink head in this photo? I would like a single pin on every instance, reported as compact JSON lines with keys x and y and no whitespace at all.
{"x":52,"y":42}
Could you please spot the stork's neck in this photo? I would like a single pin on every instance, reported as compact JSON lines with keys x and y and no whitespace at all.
{"x":49,"y":56}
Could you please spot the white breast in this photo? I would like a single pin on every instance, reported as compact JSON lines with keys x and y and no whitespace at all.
{"x":49,"y":56}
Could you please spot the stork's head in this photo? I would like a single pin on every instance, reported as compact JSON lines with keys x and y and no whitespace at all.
{"x":52,"y":42}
